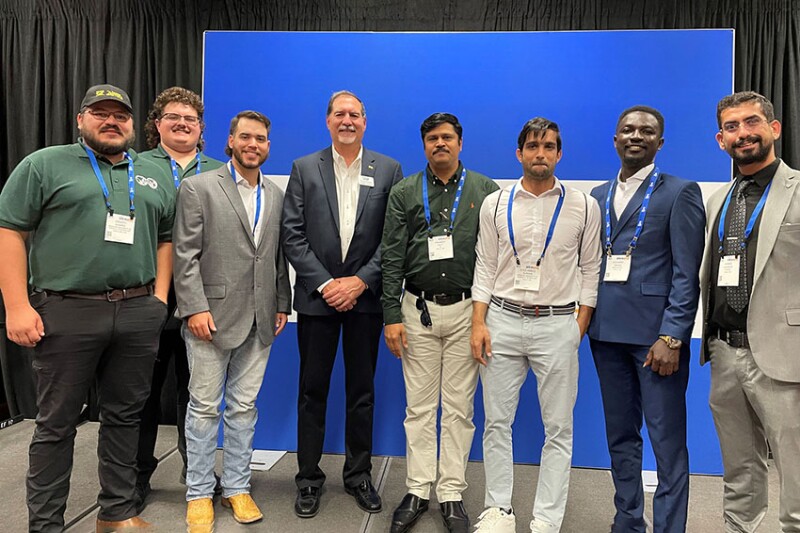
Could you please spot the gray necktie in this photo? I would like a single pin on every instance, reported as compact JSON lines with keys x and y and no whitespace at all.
{"x":737,"y":296}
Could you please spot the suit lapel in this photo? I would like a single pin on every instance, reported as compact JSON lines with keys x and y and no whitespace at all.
{"x":329,"y":182}
{"x":232,"y":193}
{"x":368,"y":168}
{"x":267,"y":199}
{"x":778,"y":201}
{"x":634,"y":206}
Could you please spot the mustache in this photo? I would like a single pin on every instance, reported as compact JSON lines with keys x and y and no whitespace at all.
{"x":351,"y":129}
{"x":747,"y":140}
{"x":442,"y":149}
{"x":111,"y":128}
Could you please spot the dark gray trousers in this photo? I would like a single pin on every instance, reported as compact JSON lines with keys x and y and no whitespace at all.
{"x":113,"y":344}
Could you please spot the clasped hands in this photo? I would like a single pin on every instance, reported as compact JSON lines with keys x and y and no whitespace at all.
{"x":342,"y":293}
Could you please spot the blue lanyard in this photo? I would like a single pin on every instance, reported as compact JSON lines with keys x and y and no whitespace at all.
{"x":258,"y":195}
{"x":549,"y":231}
{"x":750,"y":223}
{"x":453,"y":211}
{"x":174,"y":166}
{"x":642,"y":213}
{"x":99,"y":176}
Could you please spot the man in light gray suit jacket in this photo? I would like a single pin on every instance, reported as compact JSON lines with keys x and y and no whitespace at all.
{"x":332,"y":225}
{"x":751,"y":306}
{"x":233,"y":293}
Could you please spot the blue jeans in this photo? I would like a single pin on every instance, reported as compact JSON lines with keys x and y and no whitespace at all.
{"x":239,"y":372}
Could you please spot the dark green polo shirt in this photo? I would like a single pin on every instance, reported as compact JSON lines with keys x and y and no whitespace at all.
{"x":54,"y":193}
{"x":404,"y":248}
{"x":160,"y":157}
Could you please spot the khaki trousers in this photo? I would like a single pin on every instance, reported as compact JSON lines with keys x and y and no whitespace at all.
{"x":438,"y":364}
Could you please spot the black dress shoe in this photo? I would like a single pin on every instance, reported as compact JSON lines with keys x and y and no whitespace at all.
{"x":141,"y":492}
{"x":307,"y":503}
{"x":455,"y":517}
{"x":366,"y":496}
{"x":407,"y":513}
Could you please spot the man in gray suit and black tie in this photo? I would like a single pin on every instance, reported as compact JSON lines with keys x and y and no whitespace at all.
{"x":332,"y":224}
{"x":751,"y":308}
{"x":233,"y":292}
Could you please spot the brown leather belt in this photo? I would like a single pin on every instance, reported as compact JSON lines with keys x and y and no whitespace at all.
{"x":534,"y":310}
{"x":114,"y":295}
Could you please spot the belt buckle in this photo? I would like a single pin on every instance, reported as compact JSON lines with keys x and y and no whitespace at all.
{"x":116,"y":295}
{"x":439,"y":299}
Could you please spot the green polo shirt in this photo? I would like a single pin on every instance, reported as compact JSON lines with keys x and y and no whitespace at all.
{"x":404,"y":248}
{"x":54,"y":193}
{"x":160,"y":157}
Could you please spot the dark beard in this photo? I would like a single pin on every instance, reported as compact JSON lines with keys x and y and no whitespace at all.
{"x":759,"y":155}
{"x":105,"y":148}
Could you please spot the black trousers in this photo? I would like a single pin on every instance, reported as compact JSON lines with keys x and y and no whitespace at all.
{"x":318,"y":340}
{"x":170,"y":343}
{"x":110,"y":343}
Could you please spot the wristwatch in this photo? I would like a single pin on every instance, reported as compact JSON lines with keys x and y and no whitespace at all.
{"x":672,"y":342}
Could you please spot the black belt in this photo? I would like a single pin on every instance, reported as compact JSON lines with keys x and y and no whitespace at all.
{"x":442,"y":298}
{"x":534,"y":310}
{"x":733,"y":337}
{"x":114,"y":295}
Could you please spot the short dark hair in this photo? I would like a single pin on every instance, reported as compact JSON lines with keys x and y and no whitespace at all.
{"x":337,"y":94}
{"x":745,"y":97}
{"x":643,"y":109}
{"x":168,"y":96}
{"x":252,"y":115}
{"x":538,"y":125}
{"x":436,"y":120}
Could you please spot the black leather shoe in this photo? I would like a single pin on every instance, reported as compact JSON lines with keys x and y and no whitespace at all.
{"x":366,"y":496}
{"x":307,"y":503}
{"x":141,"y":492}
{"x":455,"y":517}
{"x":407,"y":513}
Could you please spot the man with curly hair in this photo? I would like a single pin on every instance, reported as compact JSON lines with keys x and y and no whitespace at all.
{"x":174,"y":131}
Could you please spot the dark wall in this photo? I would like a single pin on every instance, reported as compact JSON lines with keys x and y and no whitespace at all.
{"x":51,"y":51}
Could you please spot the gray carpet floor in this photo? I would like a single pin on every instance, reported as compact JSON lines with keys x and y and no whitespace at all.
{"x":589,"y":508}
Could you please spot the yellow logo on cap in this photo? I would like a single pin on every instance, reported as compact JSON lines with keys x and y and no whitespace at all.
{"x":113,"y":94}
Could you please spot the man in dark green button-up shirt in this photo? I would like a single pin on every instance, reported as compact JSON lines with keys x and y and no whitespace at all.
{"x":429,"y":241}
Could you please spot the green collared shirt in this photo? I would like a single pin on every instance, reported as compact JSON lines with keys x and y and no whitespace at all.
{"x":404,"y":248}
{"x":54,"y":193}
{"x":160,"y":157}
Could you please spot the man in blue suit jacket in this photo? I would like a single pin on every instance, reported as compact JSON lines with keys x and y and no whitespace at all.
{"x":642,"y":326}
{"x":333,"y":216}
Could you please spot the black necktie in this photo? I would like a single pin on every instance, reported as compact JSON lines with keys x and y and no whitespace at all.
{"x":737,"y":296}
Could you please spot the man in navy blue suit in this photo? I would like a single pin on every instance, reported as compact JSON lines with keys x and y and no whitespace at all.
{"x":641,"y":329}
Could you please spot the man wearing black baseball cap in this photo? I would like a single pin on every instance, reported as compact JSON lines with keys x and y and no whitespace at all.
{"x":100,"y":268}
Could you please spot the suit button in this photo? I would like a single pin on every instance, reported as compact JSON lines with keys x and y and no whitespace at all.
{"x":258,"y":259}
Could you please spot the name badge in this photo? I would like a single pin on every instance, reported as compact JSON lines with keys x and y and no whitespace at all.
{"x":366,"y":181}
{"x":119,"y":228}
{"x":527,"y":277}
{"x":618,"y":268}
{"x":440,"y":247}
{"x":728,"y":271}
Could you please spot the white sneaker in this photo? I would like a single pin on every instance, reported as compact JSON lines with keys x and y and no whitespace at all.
{"x":496,"y":520}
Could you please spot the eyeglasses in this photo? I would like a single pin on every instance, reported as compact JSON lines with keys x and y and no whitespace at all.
{"x":749,"y":123}
{"x":424,"y":316}
{"x":102,"y":116}
{"x":175,"y":117}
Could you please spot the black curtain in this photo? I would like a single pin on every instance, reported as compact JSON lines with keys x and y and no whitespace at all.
{"x":51,"y":51}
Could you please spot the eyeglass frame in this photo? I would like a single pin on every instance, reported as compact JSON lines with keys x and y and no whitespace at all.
{"x":425,"y":315}
{"x":120,"y":116}
{"x":192,"y":120}
{"x":750,"y":123}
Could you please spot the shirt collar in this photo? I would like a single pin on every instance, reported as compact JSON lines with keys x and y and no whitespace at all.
{"x":555,"y":190}
{"x":101,"y":157}
{"x":640,"y":175}
{"x":763,"y":176}
{"x":240,"y":179}
{"x":339,"y":159}
{"x":455,"y":177}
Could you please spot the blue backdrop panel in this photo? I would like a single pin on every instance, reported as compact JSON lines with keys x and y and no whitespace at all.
{"x":494,"y":82}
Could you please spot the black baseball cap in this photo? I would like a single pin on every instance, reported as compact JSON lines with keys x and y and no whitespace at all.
{"x":101,"y":93}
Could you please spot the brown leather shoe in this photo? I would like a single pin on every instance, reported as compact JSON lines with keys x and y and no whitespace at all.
{"x":131,"y":525}
{"x":245,"y":510}
{"x":200,"y":516}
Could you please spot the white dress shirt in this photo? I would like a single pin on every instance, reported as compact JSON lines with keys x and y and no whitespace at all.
{"x":250,"y":201}
{"x":626,"y":189}
{"x":570,"y":270}
{"x":347,"y":188}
